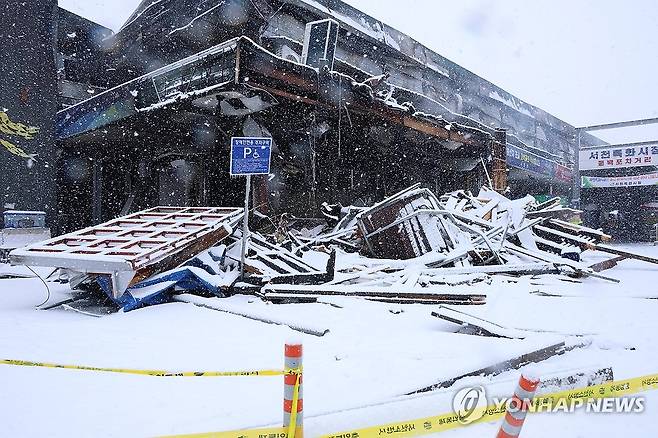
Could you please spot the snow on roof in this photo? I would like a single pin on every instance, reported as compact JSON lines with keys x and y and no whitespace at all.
{"x":24,"y":212}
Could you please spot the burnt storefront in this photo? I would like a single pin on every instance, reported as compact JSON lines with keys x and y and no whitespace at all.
{"x":163,"y":138}
{"x":357,"y":111}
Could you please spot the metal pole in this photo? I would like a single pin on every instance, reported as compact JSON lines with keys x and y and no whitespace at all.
{"x":97,"y":187}
{"x":623,"y":145}
{"x":604,"y":126}
{"x":245,"y":227}
{"x":576,"y":168}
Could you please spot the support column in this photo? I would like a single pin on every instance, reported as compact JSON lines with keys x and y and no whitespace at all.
{"x":28,"y":106}
{"x":97,"y":188}
{"x":499,"y":161}
{"x":576,"y":172}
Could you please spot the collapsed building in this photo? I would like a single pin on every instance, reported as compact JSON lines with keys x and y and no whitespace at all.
{"x":357,"y":111}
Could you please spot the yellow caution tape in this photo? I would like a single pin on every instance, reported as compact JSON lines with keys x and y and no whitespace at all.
{"x":276,"y":432}
{"x":279,"y":432}
{"x":157,"y":373}
{"x":441,"y":423}
{"x":293,"y":413}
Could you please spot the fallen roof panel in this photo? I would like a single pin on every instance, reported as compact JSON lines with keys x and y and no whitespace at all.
{"x":136,"y":246}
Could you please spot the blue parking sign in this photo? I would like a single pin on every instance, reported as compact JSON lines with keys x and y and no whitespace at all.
{"x":250,"y":155}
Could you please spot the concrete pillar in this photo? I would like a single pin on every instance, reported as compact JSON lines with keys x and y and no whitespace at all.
{"x":499,"y":161}
{"x":28,"y":105}
{"x":576,"y":172}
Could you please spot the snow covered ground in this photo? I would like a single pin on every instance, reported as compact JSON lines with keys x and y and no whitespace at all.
{"x":355,"y":375}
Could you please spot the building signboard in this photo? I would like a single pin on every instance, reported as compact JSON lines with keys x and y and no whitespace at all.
{"x":618,"y":157}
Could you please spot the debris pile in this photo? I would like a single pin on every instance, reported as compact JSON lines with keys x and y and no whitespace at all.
{"x":412,"y":247}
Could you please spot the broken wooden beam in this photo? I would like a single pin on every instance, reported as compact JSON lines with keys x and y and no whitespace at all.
{"x":475,"y":325}
{"x":310,"y":278}
{"x":561,"y":213}
{"x":577,"y":380}
{"x":547,"y":257}
{"x":511,"y":364}
{"x":579,"y":230}
{"x":217,"y":305}
{"x":590,"y":243}
{"x":626,"y":254}
{"x":520,"y":269}
{"x":606,"y":264}
{"x":388,"y":294}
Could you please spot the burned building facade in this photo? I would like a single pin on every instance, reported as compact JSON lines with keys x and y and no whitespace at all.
{"x":356,"y":112}
{"x":28,"y":104}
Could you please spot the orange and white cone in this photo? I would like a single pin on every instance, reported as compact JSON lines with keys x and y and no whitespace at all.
{"x":518,"y":407}
{"x":293,"y":369}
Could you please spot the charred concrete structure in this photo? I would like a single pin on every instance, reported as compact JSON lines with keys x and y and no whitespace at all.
{"x":335,"y":138}
{"x":28,"y":103}
{"x":82,"y":58}
{"x":182,"y":77}
{"x":50,"y":59}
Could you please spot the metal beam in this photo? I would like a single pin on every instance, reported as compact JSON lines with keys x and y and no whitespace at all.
{"x":639,"y":122}
{"x":623,"y":145}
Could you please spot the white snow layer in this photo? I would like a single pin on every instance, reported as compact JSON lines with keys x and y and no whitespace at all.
{"x":355,"y":375}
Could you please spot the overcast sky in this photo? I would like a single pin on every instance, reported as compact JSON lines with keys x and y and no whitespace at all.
{"x":585,"y":61}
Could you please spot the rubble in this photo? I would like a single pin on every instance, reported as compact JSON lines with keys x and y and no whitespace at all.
{"x":256,"y":316}
{"x":412,"y":247}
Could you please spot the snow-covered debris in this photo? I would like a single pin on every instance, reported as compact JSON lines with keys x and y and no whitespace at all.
{"x":412,"y":247}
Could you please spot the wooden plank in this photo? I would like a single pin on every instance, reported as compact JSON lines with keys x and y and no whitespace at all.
{"x":217,"y":305}
{"x":475,"y":325}
{"x":579,"y":230}
{"x":546,"y":257}
{"x":589,"y":243}
{"x":516,"y":269}
{"x":626,"y":254}
{"x":606,"y":264}
{"x":557,"y":213}
{"x":403,"y":292}
{"x":549,"y":204}
{"x":507,"y":365}
{"x":576,"y":380}
{"x":311,"y":298}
